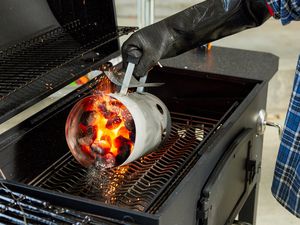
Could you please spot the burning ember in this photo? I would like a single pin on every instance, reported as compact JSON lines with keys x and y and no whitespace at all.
{"x":100,"y":130}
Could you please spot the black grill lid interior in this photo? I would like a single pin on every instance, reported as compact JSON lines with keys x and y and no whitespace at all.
{"x":44,"y":46}
{"x":21,"y":20}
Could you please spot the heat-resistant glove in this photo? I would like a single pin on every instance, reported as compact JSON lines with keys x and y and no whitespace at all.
{"x":197,"y":25}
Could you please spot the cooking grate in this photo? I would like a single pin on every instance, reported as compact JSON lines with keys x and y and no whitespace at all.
{"x":137,"y":185}
{"x":24,"y":62}
{"x":33,"y":69}
{"x":17,"y":208}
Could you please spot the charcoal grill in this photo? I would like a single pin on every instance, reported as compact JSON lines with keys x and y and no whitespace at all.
{"x":206,"y":173}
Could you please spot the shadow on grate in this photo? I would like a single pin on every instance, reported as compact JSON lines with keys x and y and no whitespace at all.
{"x":137,"y":184}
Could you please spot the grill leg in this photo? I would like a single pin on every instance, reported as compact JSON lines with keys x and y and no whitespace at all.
{"x":248,"y":212}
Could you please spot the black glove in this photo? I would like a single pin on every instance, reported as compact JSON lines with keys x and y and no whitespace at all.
{"x":197,"y":25}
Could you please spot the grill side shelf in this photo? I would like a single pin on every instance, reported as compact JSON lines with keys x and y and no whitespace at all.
{"x":36,"y":68}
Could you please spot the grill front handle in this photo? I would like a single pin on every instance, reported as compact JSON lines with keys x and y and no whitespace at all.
{"x":262,"y":123}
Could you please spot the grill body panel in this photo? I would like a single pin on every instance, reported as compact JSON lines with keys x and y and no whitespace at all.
{"x":189,"y":193}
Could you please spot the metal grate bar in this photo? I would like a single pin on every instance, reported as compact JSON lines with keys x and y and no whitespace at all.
{"x":39,"y":39}
{"x":16,"y":208}
{"x":136,"y":185}
{"x":32,"y":70}
{"x":29,"y":60}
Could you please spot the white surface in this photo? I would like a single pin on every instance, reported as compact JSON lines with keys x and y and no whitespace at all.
{"x":147,"y":119}
{"x":127,"y":78}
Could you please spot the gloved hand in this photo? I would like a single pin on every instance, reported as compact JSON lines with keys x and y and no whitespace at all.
{"x":197,"y":25}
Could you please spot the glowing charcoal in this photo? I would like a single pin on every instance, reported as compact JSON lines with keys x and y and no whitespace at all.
{"x":129,"y":124}
{"x":87,"y":140}
{"x":101,"y":130}
{"x":113,"y":123}
{"x":116,"y":103}
{"x":132,"y":136}
{"x":96,"y":131}
{"x":110,"y":160}
{"x":120,"y":141}
{"x":91,"y":131}
{"x":123,"y":131}
{"x":107,"y":140}
{"x":124,"y":150}
{"x":123,"y":153}
{"x":100,"y":147}
{"x":105,"y":112}
{"x":88,"y":118}
{"x":86,"y":149}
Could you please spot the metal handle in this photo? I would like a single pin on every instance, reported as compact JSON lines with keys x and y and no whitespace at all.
{"x":276,"y":125}
{"x":133,"y":58}
{"x":262,"y":123}
{"x":142,"y":81}
{"x":127,"y":78}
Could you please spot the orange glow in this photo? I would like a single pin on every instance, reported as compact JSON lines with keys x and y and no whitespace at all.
{"x":82,"y":80}
{"x":110,"y":123}
{"x":107,"y":127}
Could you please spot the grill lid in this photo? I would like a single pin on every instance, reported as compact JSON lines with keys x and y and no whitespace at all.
{"x":57,"y":42}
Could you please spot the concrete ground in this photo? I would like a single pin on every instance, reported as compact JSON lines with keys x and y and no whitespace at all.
{"x":271,"y":37}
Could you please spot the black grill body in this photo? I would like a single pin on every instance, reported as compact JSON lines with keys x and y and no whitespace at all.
{"x":206,"y":173}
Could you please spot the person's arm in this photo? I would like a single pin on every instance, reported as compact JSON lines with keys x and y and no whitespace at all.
{"x":199,"y":24}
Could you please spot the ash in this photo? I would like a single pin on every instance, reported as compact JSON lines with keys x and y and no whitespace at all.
{"x":98,"y":175}
{"x":103,"y":183}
